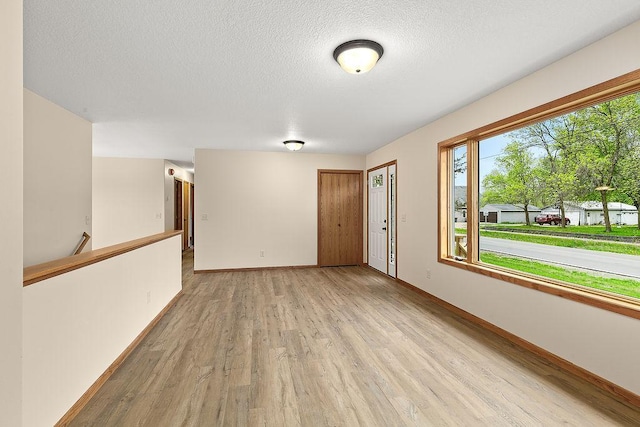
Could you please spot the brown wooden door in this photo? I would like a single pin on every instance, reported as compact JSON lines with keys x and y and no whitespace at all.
{"x":339,"y":217}
{"x":185,"y":215}
{"x":177,"y":206}
{"x":192,"y":209}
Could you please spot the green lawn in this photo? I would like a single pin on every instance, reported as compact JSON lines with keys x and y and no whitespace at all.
{"x":626,"y":287}
{"x":625,"y":230}
{"x":593,"y":245}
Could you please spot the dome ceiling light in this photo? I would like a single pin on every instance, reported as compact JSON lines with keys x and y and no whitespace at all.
{"x":293,"y":145}
{"x":358,"y":56}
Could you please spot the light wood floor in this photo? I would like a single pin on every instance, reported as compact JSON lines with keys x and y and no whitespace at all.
{"x":334,"y":347}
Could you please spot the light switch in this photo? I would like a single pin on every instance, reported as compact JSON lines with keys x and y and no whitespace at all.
{"x":205,"y":217}
{"x":404,"y":218}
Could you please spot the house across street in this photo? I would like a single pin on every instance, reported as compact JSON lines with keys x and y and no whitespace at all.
{"x":592,"y":213}
{"x":578,"y":213}
{"x":507,"y":213}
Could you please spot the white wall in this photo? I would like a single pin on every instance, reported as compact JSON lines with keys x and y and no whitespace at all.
{"x":600,"y":341}
{"x":515,"y":217}
{"x":169,"y":194}
{"x":628,"y":218}
{"x":57,"y":180}
{"x":128,"y":199}
{"x":259,"y":201}
{"x":11,"y":117}
{"x":77,"y":324}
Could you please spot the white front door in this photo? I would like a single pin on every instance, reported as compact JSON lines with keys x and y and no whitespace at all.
{"x":378,"y":219}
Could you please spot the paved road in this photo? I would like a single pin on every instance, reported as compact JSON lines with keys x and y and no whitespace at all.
{"x":620,"y":264}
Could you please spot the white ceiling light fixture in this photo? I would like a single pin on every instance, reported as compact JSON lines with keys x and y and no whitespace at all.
{"x":358,"y":56}
{"x":293,"y":145}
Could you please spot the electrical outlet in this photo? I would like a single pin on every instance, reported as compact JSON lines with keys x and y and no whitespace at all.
{"x":262,"y":253}
{"x":428,"y":274}
{"x":148,"y":297}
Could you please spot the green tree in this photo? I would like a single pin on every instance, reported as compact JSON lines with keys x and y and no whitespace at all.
{"x":628,"y":180}
{"x":556,"y":139}
{"x":515,"y":180}
{"x":607,"y":134}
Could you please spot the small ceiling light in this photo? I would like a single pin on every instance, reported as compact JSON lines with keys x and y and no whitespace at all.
{"x":293,"y":145}
{"x":358,"y":56}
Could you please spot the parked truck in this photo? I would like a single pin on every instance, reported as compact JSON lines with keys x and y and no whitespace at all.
{"x":551,"y":219}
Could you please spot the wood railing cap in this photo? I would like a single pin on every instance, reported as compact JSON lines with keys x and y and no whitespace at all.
{"x":46,"y":270}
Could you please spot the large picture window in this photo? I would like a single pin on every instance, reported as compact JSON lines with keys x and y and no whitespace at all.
{"x":549,"y":198}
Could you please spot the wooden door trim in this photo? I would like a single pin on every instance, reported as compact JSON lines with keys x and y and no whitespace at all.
{"x":391,"y":163}
{"x":360,"y":203}
{"x":384,"y":165}
{"x":395,"y":176}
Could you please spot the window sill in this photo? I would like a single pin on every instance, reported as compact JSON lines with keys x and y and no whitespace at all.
{"x":616,"y":303}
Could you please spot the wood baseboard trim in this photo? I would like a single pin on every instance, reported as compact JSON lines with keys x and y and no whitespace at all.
{"x":84,"y":399}
{"x":228,"y":270}
{"x":602,"y":383}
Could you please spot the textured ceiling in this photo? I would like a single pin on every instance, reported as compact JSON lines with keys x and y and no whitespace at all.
{"x":160,"y":78}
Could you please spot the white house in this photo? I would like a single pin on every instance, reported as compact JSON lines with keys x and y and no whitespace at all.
{"x":507,"y":213}
{"x":460,"y":198}
{"x":589,"y":213}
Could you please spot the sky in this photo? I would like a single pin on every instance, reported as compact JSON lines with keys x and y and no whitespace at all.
{"x":488,"y":151}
